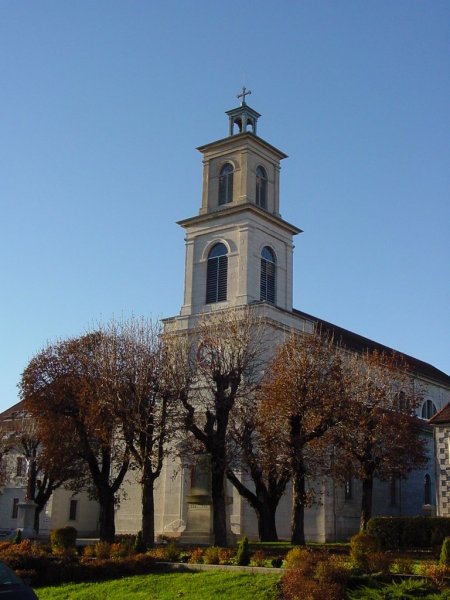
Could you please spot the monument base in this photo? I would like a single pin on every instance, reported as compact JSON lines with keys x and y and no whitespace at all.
{"x":25,"y":518}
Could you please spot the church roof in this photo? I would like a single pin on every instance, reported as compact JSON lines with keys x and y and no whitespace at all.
{"x":359,"y":343}
{"x":442,"y":416}
{"x":13,"y":412}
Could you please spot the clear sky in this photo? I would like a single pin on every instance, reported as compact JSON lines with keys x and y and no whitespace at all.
{"x":103,"y":102}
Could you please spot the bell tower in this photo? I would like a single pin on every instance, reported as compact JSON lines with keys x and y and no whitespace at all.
{"x":238,"y":248}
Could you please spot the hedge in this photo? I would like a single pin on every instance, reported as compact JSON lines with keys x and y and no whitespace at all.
{"x":409,"y":532}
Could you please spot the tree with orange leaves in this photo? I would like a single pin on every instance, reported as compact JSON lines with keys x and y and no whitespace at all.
{"x":63,"y":390}
{"x":305,"y":396}
{"x":380,"y":437}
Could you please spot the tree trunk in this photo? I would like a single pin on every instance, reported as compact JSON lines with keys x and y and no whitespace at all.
{"x":267,"y":529}
{"x":219,"y":502}
{"x":148,"y":511}
{"x":37,"y":514}
{"x":106,"y":519}
{"x":298,"y":509}
{"x":366,"y":502}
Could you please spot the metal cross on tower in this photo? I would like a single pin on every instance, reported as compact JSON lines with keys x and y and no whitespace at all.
{"x":244,"y":93}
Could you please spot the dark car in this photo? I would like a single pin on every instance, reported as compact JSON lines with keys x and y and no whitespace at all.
{"x":12,"y":587}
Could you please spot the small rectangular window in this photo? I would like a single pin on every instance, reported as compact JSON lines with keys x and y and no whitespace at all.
{"x":15,"y":508}
{"x":21,"y":467}
{"x":73,"y":510}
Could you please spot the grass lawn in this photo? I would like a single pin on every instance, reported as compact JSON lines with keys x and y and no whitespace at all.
{"x":170,"y":586}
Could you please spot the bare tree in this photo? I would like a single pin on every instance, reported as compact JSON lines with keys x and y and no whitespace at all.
{"x":228,"y":361}
{"x":140,"y":372}
{"x":258,"y":454}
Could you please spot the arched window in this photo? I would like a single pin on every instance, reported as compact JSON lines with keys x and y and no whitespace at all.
{"x":261,"y":187}
{"x":428,"y":409}
{"x":216,"y":274}
{"x":267,"y":284}
{"x":348,"y":488}
{"x":427,"y":489}
{"x":226,"y":184}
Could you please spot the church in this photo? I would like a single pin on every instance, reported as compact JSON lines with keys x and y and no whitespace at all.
{"x":239,"y":252}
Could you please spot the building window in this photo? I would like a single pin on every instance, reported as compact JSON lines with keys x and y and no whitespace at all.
{"x":73,"y":510}
{"x":261,"y":187}
{"x":216,"y":275}
{"x":393,"y":492}
{"x":226,"y":184}
{"x":21,"y":467}
{"x":428,"y":409}
{"x":15,"y":508}
{"x":348,"y":493}
{"x":427,"y":489}
{"x":267,"y":284}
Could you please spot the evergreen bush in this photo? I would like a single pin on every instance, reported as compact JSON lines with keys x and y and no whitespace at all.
{"x":18,"y":537}
{"x":444,"y":558}
{"x":243,"y":553}
{"x":139,"y":547}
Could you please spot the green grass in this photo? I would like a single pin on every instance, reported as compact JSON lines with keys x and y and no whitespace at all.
{"x":170,"y":586}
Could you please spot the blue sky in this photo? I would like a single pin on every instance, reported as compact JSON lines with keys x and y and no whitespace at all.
{"x":102,"y":104}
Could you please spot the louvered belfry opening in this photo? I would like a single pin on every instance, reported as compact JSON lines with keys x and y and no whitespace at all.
{"x":268,"y":264}
{"x":217,"y":274}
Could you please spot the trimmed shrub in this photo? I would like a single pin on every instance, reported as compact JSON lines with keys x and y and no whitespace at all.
{"x":258,"y":558}
{"x":211,"y":555}
{"x":89,"y":551}
{"x":362,"y":545}
{"x":436,"y":573}
{"x":332,"y":569}
{"x":226,"y":556}
{"x":404,"y":565}
{"x":409,"y":532}
{"x":65,"y":537}
{"x":102,"y":550}
{"x":243,"y":553}
{"x":276,"y":562}
{"x":444,"y":558}
{"x":301,"y":559}
{"x":196,"y":556}
{"x":379,"y":562}
{"x":172,"y":552}
{"x":296,"y":585}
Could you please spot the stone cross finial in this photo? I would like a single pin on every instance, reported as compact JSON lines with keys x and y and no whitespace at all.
{"x":244,"y":93}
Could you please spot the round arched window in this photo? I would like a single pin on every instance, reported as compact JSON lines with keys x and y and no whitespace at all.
{"x":226,"y":184}
{"x":268,"y":275}
{"x":428,"y":409}
{"x":261,"y":187}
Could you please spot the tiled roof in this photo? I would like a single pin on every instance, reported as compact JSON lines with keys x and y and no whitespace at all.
{"x":356,"y":342}
{"x":442,"y":416}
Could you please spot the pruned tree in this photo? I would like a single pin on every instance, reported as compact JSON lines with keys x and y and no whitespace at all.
{"x":256,"y":453}
{"x":305,"y":397}
{"x":381,"y":436}
{"x":64,"y":391}
{"x":230,"y":349}
{"x":141,"y":373}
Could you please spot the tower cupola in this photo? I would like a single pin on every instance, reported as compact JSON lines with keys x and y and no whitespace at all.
{"x":243,"y":117}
